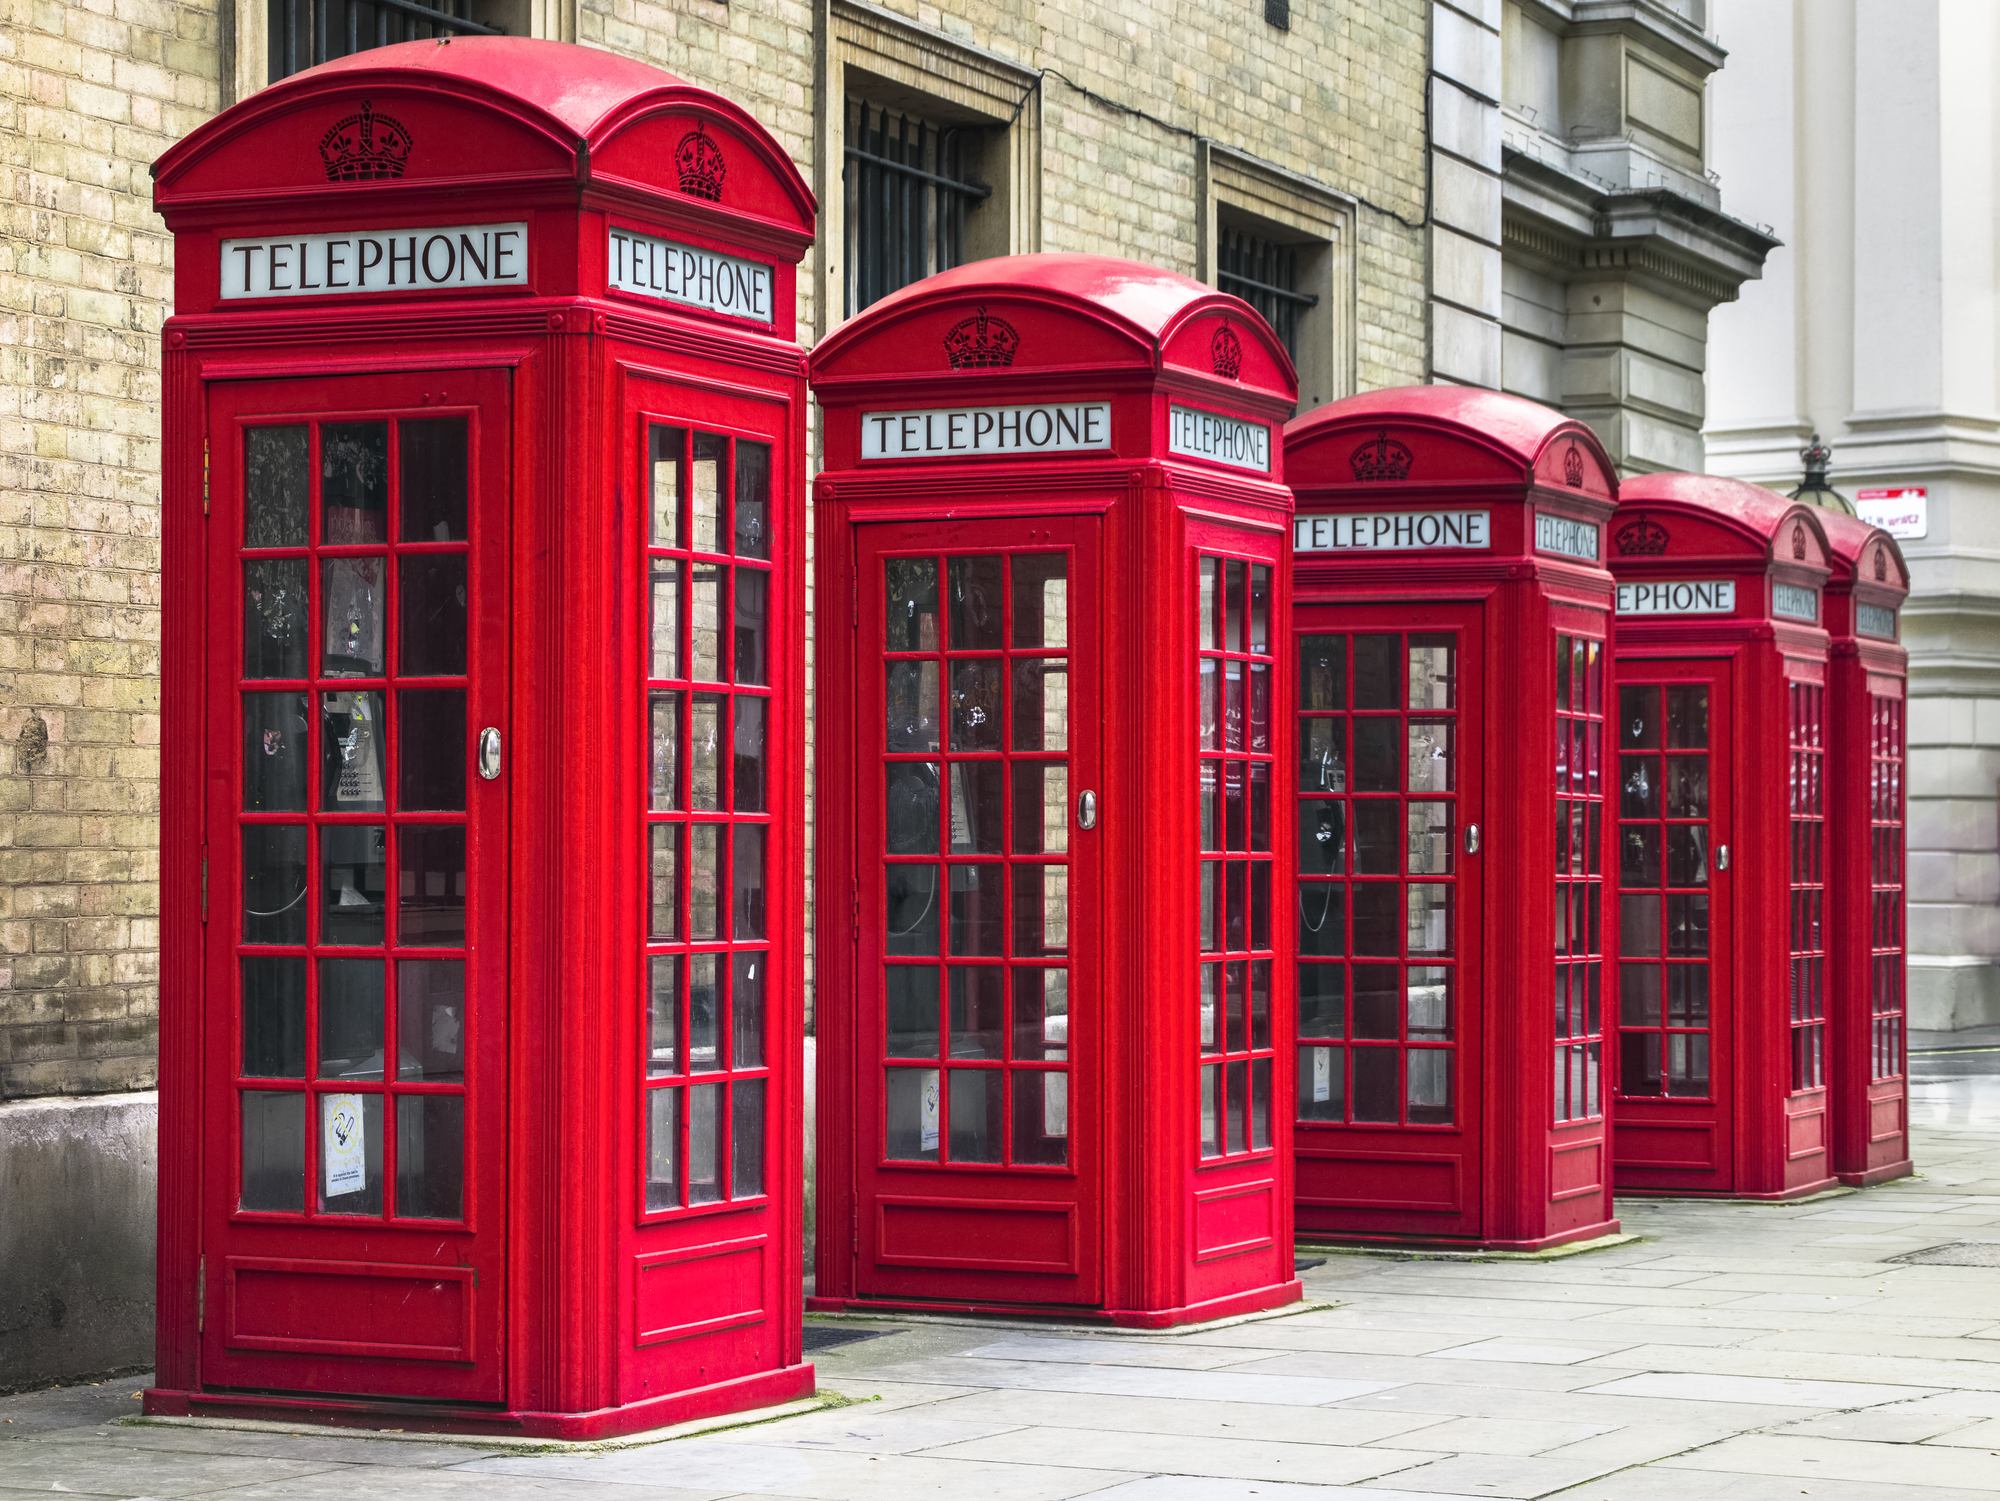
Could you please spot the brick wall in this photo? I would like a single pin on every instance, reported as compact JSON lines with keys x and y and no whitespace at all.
{"x":91,"y":91}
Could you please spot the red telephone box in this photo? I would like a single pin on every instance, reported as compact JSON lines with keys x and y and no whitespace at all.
{"x":482,"y":814}
{"x":1054,"y":1031}
{"x":1723,"y":937}
{"x":1452,"y":615}
{"x":1866,"y":737}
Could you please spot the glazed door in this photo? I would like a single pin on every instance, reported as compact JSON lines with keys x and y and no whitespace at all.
{"x":979,"y":1025}
{"x":1388,"y":921}
{"x":356,"y":886}
{"x":1671,"y":1125}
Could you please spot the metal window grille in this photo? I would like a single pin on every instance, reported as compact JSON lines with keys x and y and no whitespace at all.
{"x":307,"y":32}
{"x":1265,"y":275}
{"x":907,"y":196}
{"x":1278,"y":13}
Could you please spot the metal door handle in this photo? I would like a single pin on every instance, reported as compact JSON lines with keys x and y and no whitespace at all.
{"x":1722,"y":857}
{"x":489,"y":753}
{"x":1086,"y":810}
{"x":1472,"y":839}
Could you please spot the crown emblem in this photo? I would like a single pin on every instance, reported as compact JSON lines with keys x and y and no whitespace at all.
{"x":981,"y":343}
{"x":1226,"y":350}
{"x":1644,"y":538}
{"x":1798,"y":540}
{"x":1881,"y":566}
{"x":701,"y":166}
{"x":1385,"y":458}
{"x":1573,"y":467}
{"x":365,"y":147}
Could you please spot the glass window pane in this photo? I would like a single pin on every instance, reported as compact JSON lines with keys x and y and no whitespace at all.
{"x":1260,"y":607}
{"x":746,"y":875}
{"x":1322,"y":918}
{"x":705,"y":623}
{"x":276,"y":478}
{"x":1687,"y":786}
{"x":1638,"y":923}
{"x":978,"y":1010}
{"x":353,"y":606}
{"x":910,"y":804}
{"x":1430,"y":836}
{"x":430,"y":1157}
{"x":1375,"y":672}
{"x":435,"y":611}
{"x":911,"y":1011}
{"x":274,"y":1150}
{"x":912,"y":605}
{"x":1260,"y":1004}
{"x":350,"y":1019}
{"x":1232,"y":706}
{"x":1378,"y":918}
{"x":353,"y":882}
{"x":1322,"y":837}
{"x":1236,"y":1077}
{"x":753,"y":587}
{"x":1234,"y":825}
{"x":1211,"y":1009}
{"x":1235,"y":1007}
{"x":1432,"y":760}
{"x":1639,"y":995}
{"x":977,"y":915}
{"x":1639,"y":718}
{"x":1687,"y":925}
{"x":433,"y":748}
{"x":1041,"y":600}
{"x":430,"y":907}
{"x":1211,"y":601}
{"x":1041,"y":1117}
{"x":746,"y":1138}
{"x":1211,"y":1119}
{"x":1428,"y":1007}
{"x":975,"y":705}
{"x":1260,"y":1103}
{"x":274,"y":883}
{"x":1322,"y":1084}
{"x":973,"y":597}
{"x":274,"y":1018}
{"x":1260,"y":707}
{"x":435,"y":464}
{"x":913,"y":706}
{"x":1430,"y":1086}
{"x":705,"y":753}
{"x":1687,"y":716}
{"x":666,"y":620}
{"x":1377,"y":1083}
{"x":1233,"y":606}
{"x":1260,"y":904}
{"x":1378,"y":1002}
{"x":664,"y":880}
{"x":747,"y":791}
{"x":1687,"y":995}
{"x":1041,"y":807}
{"x":1209,"y":692}
{"x":976,"y":802}
{"x":1378,"y":837}
{"x":1236,"y":937}
{"x":707,"y":492}
{"x":350,"y":1153}
{"x":663,"y":1141}
{"x":1041,"y":1013}
{"x":704,"y":1024}
{"x":976,"y":1104}
{"x":354,"y":482}
{"x":354,"y":752}
{"x":664,"y":752}
{"x":668,"y":452}
{"x":430,"y":1020}
{"x":274,"y":618}
{"x":1041,"y":704}
{"x":912,"y":1108}
{"x":1639,"y":787}
{"x":753,"y":501}
{"x":746,"y":1009}
{"x":1322,"y":1000}
{"x":1376,"y":753}
{"x":1639,"y":854}
{"x":1639,"y":1063}
{"x":912,"y":909}
{"x":705,"y":892}
{"x":1260,"y":806}
{"x":1433,"y":672}
{"x":1041,"y":910}
{"x":704,"y":1147}
{"x":277,"y":739}
{"x":1322,"y":672}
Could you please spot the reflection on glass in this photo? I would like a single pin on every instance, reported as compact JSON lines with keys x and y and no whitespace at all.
{"x":705,"y":622}
{"x":1211,"y":1088}
{"x":430,"y":1157}
{"x":350,"y":1158}
{"x":1376,"y":1083}
{"x":976,"y":807}
{"x":1639,"y":786}
{"x":1041,"y":910}
{"x":977,"y":915}
{"x":1260,"y":806}
{"x":1322,"y":929}
{"x":274,"y":1150}
{"x":914,"y":1109}
{"x":746,"y":873}
{"x":1041,"y":1013}
{"x":1687,"y":716}
{"x":1211,"y":1008}
{"x":1687,"y":995}
{"x":1431,"y":755}
{"x":704,"y":1145}
{"x":1639,"y":718}
{"x":276,"y":475}
{"x":1260,"y":1103}
{"x":975,"y":1096}
{"x":1260,"y":607}
{"x":276,"y":742}
{"x":911,"y":604}
{"x":354,"y":751}
{"x":666,"y":628}
{"x":1430,"y":834}
{"x":753,"y":501}
{"x":978,"y":1010}
{"x":274,"y":1018}
{"x":352,"y":606}
{"x":1041,"y":600}
{"x":430,"y":912}
{"x":1232,"y":706}
{"x":705,"y":753}
{"x":1041,"y":704}
{"x":1687,"y":924}
{"x":1639,"y":854}
{"x":1428,"y":1009}
{"x":1260,"y":707}
{"x":663,"y":880}
{"x":746,"y":1139}
{"x":1232,"y":612}
{"x":1639,"y":995}
{"x":1378,"y":1002}
{"x":1322,"y":672}
{"x":1433,"y":679}
{"x":1235,"y":828}
{"x":746,"y":1009}
{"x":1235,"y":1001}
{"x":434,"y":614}
{"x":1430,"y":1086}
{"x":1210,"y":609}
{"x":668,"y":452}
{"x":704,"y":1024}
{"x":274,"y":617}
{"x":912,"y":909}
{"x":1687,"y":786}
{"x":1378,"y":836}
{"x":1377,"y":753}
{"x":354,"y":482}
{"x":434,"y":463}
{"x":913,"y":706}
{"x":1210,"y":699}
{"x":663,"y":1051}
{"x":430,"y":1020}
{"x":910,"y":1014}
{"x":1378,"y":918}
{"x":1376,"y":675}
{"x":1260,"y":1004}
{"x":274,"y":883}
{"x":975,"y":705}
{"x":974,"y":599}
{"x":1041,"y":1117}
{"x":354,"y":882}
{"x":707,"y":492}
{"x":1322,"y":756}
{"x":663,"y":1139}
{"x":705,"y":892}
{"x":1041,"y":807}
{"x":910,"y":806}
{"x":1322,"y":1000}
{"x":1639,"y":923}
{"x":664,"y":752}
{"x":433,"y":749}
{"x":747,"y":791}
{"x":752,"y":588}
{"x":1322,"y":1084}
{"x":1236,"y":1083}
{"x":350,"y":1019}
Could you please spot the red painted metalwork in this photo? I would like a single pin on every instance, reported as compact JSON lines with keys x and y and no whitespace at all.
{"x":1721,"y":665}
{"x":1867,"y":737}
{"x":476,"y":1105}
{"x":1452,"y":610}
{"x":1052,"y":735}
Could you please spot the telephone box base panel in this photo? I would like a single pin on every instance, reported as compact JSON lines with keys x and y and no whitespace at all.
{"x":1767,"y":1196}
{"x":1888,"y":1172}
{"x":765,"y":1389}
{"x":1312,"y":1237}
{"x":1257,"y":1300}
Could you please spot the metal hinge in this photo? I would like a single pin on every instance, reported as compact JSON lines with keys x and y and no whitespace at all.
{"x":200,"y":1292}
{"x":204,"y":888}
{"x":204,"y":476}
{"x":855,"y":1243}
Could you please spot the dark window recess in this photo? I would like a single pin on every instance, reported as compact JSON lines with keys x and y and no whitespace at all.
{"x":307,"y":32}
{"x":1262,"y":272}
{"x":1278,"y":13}
{"x":908,"y":191}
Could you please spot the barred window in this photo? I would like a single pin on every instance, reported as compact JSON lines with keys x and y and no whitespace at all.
{"x":908,"y":190}
{"x":1265,"y":274}
{"x":304,"y":33}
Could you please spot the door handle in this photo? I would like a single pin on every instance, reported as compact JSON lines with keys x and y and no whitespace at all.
{"x":1086,"y":810}
{"x":1722,"y":857}
{"x":1472,"y":839}
{"x":489,"y":753}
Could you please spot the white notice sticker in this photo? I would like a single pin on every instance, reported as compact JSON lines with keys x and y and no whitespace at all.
{"x":927,"y":1140}
{"x":341,"y":1145}
{"x":1322,"y":1075}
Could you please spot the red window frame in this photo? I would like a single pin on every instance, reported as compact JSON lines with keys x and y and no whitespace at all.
{"x":1581,"y":667}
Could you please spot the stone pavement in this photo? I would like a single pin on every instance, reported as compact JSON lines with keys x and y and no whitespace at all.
{"x":1740,"y":1351}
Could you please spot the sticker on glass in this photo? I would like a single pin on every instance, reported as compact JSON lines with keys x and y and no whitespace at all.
{"x":341,"y":1151}
{"x":929,"y":1140}
{"x":1322,"y":1075}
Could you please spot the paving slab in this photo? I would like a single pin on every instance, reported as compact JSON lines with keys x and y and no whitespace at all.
{"x":1842,"y":1459}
